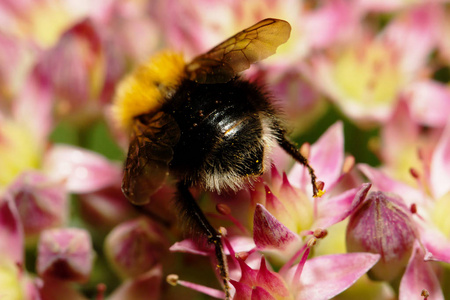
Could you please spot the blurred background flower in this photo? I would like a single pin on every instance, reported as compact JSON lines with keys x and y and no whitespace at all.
{"x":365,"y":83}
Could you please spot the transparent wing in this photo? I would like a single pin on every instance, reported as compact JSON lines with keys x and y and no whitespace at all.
{"x":236,"y":54}
{"x":149,"y":155}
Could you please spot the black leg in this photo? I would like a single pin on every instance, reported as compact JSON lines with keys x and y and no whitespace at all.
{"x":197,"y":223}
{"x":292,"y":150}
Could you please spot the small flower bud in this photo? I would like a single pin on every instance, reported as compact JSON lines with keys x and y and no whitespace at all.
{"x":134,"y":247}
{"x":42,"y":203}
{"x":65,"y":254}
{"x":383,"y":225}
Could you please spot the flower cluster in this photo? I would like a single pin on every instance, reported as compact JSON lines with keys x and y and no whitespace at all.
{"x":366,"y":82}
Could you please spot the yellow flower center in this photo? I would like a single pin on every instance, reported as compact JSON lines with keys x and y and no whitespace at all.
{"x":369,"y":73}
{"x":18,"y":151}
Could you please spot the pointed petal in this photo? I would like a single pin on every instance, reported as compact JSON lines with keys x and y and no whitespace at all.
{"x":324,"y":277}
{"x":189,"y":246}
{"x":84,"y":171}
{"x":327,"y":158}
{"x":279,"y":209}
{"x":440,"y":165}
{"x":436,"y":244}
{"x":429,"y":103}
{"x":41,"y":203}
{"x":34,"y":107}
{"x":413,"y":33}
{"x":271,"y":281}
{"x":384,"y":183}
{"x":260,"y":293}
{"x":248,"y":275}
{"x":336,"y":209}
{"x":268,"y":232}
{"x":419,"y":275}
{"x":11,"y":233}
{"x":243,"y":291}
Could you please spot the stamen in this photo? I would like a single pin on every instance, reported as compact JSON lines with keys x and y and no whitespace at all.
{"x":302,"y":262}
{"x":320,"y":233}
{"x":414,"y":173}
{"x":174,"y":280}
{"x":289,"y":263}
{"x":425,"y":294}
{"x":348,"y":165}
{"x":305,"y":149}
{"x":225,"y":211}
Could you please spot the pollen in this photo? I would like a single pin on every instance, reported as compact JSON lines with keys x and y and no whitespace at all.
{"x":145,"y":89}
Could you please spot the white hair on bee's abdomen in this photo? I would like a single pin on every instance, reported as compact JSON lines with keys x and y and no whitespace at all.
{"x":218,"y":180}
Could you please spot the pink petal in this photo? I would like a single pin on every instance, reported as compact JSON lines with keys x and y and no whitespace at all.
{"x":419,"y":275}
{"x":382,"y":182}
{"x":268,"y":232}
{"x":84,"y":171}
{"x":243,"y":291}
{"x":324,"y":277}
{"x":79,"y":50}
{"x":248,"y":275}
{"x":241,"y":244}
{"x":146,"y":286}
{"x":436,"y":244}
{"x":440,"y":165}
{"x":105,"y":208}
{"x":271,"y":281}
{"x":333,"y":20}
{"x":189,"y":246}
{"x":34,"y":107}
{"x":336,"y":209}
{"x":260,"y":293}
{"x":327,"y":158}
{"x":11,"y":233}
{"x":135,"y":246}
{"x":429,"y":102}
{"x":413,"y":33}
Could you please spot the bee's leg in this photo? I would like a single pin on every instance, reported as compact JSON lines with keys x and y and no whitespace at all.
{"x":292,"y":150}
{"x":197,"y":223}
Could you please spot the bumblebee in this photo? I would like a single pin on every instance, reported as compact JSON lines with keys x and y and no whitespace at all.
{"x":203,"y":124}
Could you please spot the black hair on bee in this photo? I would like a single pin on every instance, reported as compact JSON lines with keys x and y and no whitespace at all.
{"x":203,"y":124}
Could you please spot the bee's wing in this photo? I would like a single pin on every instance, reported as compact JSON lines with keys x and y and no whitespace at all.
{"x":149,"y":155}
{"x":236,"y":54}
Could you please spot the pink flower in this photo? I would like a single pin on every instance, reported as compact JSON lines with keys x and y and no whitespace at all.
{"x":366,"y":75}
{"x":430,"y":206}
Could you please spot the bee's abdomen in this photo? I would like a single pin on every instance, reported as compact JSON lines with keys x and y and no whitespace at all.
{"x":222,"y":134}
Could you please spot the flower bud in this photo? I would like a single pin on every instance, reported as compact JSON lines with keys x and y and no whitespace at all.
{"x":105,"y":208}
{"x":135,"y":247}
{"x":42,"y":204}
{"x":65,"y":254}
{"x":383,"y":225}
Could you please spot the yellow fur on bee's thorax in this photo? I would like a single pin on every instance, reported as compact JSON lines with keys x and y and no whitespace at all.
{"x":144,"y":90}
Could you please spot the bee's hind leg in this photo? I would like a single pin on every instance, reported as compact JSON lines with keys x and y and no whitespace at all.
{"x":197,"y":224}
